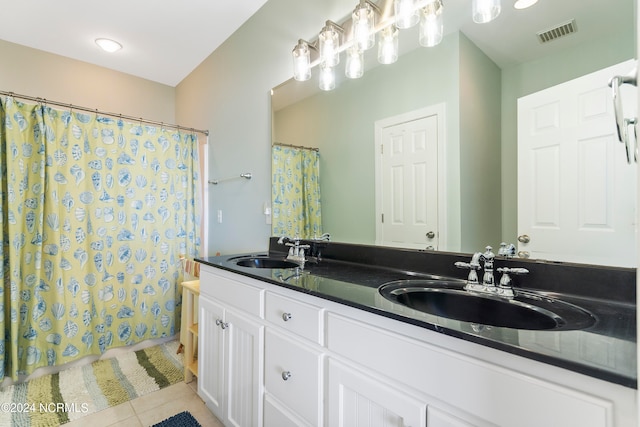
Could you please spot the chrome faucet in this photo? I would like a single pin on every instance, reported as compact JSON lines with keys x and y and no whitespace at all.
{"x":504,"y":289}
{"x":296,"y":250}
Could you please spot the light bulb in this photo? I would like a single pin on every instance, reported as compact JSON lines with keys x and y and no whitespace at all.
{"x":431,"y":25}
{"x":363,"y":24}
{"x":388,"y":45}
{"x":329,"y":41}
{"x":301,"y":61}
{"x":355,"y":63}
{"x":327,"y":77}
{"x":485,"y":10}
{"x":406,"y":13}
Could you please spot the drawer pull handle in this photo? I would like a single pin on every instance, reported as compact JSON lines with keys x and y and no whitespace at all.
{"x":286,"y":316}
{"x":286,"y":375}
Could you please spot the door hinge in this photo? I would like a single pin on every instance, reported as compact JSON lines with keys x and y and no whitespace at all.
{"x":381,"y":149}
{"x":382,"y":215}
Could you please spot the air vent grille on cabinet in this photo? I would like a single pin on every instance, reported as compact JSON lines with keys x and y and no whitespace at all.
{"x":558,"y":31}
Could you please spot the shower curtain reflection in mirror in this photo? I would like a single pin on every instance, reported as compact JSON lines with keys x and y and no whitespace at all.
{"x":96,"y":213}
{"x":295,"y":188}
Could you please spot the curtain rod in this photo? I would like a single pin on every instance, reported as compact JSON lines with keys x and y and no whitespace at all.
{"x":296,"y":146}
{"x":104,"y":113}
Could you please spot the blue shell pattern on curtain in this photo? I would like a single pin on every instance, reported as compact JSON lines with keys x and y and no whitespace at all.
{"x":96,"y":214}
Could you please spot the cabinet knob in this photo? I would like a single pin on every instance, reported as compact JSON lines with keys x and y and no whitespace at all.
{"x":224,"y":325}
{"x":286,"y":316}
{"x":218,"y":322}
{"x":286,"y":375}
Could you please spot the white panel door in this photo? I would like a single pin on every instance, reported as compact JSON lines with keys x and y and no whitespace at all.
{"x":211,"y":356}
{"x":409,"y":167}
{"x":576,"y":194}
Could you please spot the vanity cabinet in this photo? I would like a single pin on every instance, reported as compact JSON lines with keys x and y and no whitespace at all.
{"x":322,"y":363}
{"x":231,"y":350}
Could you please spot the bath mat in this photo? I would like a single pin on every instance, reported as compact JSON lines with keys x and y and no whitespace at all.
{"x":183,"y":419}
{"x":56,"y":399}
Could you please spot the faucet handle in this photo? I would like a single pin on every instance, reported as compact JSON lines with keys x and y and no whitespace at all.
{"x":473,"y":267}
{"x":505,"y":280}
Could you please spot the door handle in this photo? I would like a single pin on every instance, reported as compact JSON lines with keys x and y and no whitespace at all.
{"x":431,"y":235}
{"x":524,"y":238}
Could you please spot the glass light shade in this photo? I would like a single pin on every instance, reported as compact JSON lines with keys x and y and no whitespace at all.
{"x":329,"y":41}
{"x":406,"y":13}
{"x":355,"y":63}
{"x":301,"y":62}
{"x":363,"y":21}
{"x":327,"y":78}
{"x":388,"y":45}
{"x":431,"y":24}
{"x":484,"y":11}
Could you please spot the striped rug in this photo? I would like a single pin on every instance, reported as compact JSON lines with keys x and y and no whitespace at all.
{"x":56,"y":399}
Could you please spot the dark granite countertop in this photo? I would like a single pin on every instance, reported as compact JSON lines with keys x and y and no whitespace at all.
{"x":606,"y":350}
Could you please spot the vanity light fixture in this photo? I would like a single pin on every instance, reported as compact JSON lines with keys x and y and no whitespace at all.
{"x":357,"y":33}
{"x":431,"y":25}
{"x":329,"y":43}
{"x":484,"y":11}
{"x":108,"y":45}
{"x":523,"y":4}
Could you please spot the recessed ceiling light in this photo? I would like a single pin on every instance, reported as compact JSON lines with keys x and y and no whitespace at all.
{"x":523,"y":4}
{"x":108,"y":45}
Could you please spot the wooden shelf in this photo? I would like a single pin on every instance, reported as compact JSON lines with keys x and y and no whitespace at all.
{"x":194,"y":329}
{"x":190,"y":293}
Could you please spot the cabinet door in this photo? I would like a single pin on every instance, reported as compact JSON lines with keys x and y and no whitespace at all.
{"x":293,"y":375}
{"x":357,"y":399}
{"x":211,"y":353}
{"x":245,"y":343}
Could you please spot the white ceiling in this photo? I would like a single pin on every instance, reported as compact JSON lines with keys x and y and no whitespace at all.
{"x":164,"y":40}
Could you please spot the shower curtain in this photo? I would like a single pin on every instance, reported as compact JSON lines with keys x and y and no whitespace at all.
{"x":296,"y":192}
{"x":95,"y":215}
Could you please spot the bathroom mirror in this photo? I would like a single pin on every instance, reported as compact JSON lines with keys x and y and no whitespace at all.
{"x":478,"y":72}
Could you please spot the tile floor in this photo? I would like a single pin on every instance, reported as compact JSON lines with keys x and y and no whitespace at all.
{"x":152,"y":408}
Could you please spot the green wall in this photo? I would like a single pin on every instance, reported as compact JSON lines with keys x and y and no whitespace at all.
{"x":341,"y":124}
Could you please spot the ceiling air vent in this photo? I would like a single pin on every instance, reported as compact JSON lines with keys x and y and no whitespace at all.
{"x":558,"y":31}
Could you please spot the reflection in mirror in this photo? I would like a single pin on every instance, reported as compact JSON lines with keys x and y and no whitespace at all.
{"x":476,"y":74}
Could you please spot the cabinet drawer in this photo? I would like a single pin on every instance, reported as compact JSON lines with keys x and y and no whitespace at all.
{"x":293,"y":375}
{"x":239,"y":295}
{"x":295,"y":316}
